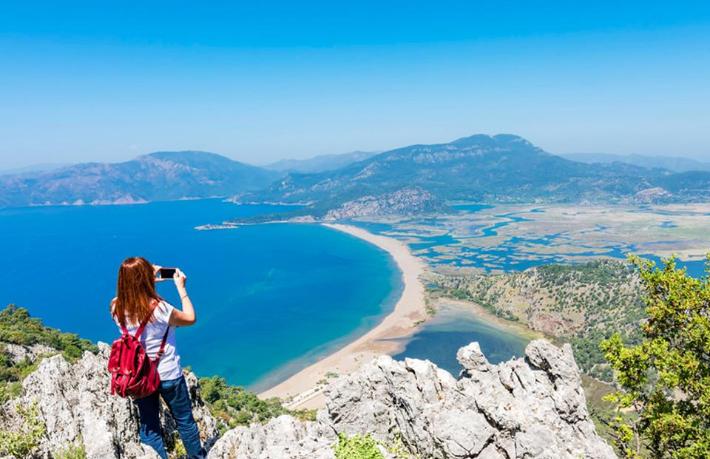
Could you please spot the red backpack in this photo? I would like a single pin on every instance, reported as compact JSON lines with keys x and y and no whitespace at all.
{"x":133,"y":373}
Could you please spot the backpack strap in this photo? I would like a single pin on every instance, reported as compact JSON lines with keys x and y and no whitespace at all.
{"x":145,"y":322}
{"x":161,"y":351}
{"x":142,"y":326}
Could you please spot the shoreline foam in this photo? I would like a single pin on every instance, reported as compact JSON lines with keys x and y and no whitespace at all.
{"x":304,"y":389}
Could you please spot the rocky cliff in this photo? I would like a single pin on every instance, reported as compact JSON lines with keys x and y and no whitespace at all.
{"x":531,"y":407}
{"x":407,"y":201}
{"x":526,"y":408}
{"x":73,"y":403}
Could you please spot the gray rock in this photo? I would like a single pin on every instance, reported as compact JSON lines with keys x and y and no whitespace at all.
{"x":524,"y":408}
{"x":283,"y":437}
{"x":405,"y":201}
{"x":471,"y":358}
{"x":74,"y":402}
{"x":19,"y":352}
{"x":531,"y":407}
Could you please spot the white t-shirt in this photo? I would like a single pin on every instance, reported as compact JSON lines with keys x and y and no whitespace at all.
{"x":169,"y":365}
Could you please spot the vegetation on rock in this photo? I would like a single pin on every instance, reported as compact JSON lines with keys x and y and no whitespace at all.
{"x":234,"y":405}
{"x":77,"y":451}
{"x":663,"y":407}
{"x":357,"y":447}
{"x":17,"y":328}
{"x":20,"y":443}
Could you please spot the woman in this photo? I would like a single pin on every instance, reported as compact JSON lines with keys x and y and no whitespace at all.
{"x":135,"y":300}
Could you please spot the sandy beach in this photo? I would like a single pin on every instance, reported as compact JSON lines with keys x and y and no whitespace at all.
{"x":304,"y":389}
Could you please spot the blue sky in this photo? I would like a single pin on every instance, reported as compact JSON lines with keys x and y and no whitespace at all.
{"x":260,"y":81}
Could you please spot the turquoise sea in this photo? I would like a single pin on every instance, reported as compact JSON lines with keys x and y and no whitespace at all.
{"x":270,"y":298}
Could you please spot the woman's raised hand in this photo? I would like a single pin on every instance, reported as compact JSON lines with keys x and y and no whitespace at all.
{"x":186,"y":316}
{"x":180,"y":279}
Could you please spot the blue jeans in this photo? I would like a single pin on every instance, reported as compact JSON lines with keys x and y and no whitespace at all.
{"x":176,"y":396}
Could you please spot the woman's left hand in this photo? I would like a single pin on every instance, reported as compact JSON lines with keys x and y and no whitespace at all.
{"x":180,"y":279}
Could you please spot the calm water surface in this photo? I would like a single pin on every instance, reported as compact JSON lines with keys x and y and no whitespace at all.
{"x":270,"y":298}
{"x":453,"y":328}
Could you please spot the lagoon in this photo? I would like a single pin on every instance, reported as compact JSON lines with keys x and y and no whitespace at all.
{"x":455,"y":326}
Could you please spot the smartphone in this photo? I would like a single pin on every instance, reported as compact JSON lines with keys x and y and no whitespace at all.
{"x":166,"y":273}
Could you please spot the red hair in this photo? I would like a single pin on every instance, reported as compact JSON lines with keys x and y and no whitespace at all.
{"x":135,"y":291}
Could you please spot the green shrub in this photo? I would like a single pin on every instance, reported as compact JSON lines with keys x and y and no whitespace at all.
{"x":357,"y":447}
{"x":178,"y":451}
{"x":17,"y":327}
{"x":234,"y":405}
{"x":76,"y":451}
{"x":20,"y":443}
{"x":304,"y":415}
{"x":9,"y":390}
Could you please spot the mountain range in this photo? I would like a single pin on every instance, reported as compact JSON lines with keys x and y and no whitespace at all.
{"x":412,"y":179}
{"x":671,"y":163}
{"x":34,"y":168}
{"x":320,"y":163}
{"x":155,"y":177}
{"x":481,"y":168}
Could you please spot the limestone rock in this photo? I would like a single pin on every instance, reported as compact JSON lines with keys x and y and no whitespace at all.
{"x":471,"y":358}
{"x":531,"y":407}
{"x":74,"y":402}
{"x":283,"y":437}
{"x":19,"y":352}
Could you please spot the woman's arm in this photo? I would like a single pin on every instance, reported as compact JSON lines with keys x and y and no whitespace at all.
{"x":187,"y":315}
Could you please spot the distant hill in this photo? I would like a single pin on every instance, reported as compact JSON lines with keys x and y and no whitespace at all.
{"x":501,"y":168}
{"x":581,"y":304}
{"x":154,"y":177}
{"x":34,"y":168}
{"x":319,"y":163}
{"x":671,"y":163}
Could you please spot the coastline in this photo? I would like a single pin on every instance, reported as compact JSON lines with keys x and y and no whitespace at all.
{"x":304,"y":389}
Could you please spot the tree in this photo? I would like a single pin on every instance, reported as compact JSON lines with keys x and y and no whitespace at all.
{"x":663,"y":402}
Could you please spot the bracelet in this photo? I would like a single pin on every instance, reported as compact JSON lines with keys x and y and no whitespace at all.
{"x":182,"y":297}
